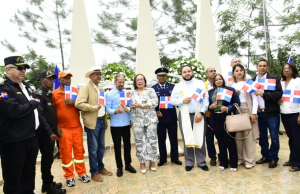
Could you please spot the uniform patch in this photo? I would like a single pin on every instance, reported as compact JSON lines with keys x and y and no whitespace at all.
{"x":19,"y":92}
{"x":49,"y":104}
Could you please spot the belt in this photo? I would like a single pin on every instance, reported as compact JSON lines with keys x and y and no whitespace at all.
{"x":100,"y":118}
{"x":192,"y":113}
{"x":262,"y":110}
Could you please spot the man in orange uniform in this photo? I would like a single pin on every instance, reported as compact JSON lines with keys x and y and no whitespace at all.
{"x":68,"y":121}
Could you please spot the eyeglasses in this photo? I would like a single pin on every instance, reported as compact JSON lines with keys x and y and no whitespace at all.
{"x":287,"y":69}
{"x":139,"y":80}
{"x":20,"y":68}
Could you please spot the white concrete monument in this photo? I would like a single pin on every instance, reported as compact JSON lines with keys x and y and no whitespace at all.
{"x":147,"y":57}
{"x":206,"y":43}
{"x":82,"y":55}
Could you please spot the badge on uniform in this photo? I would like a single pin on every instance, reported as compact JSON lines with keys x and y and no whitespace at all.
{"x":3,"y":95}
{"x":19,"y":92}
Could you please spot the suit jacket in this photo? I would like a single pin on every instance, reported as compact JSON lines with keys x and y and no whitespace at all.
{"x":234,"y":99}
{"x":271,"y":97}
{"x":169,"y":115}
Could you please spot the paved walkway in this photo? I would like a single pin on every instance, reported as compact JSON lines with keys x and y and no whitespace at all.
{"x":171,"y":178}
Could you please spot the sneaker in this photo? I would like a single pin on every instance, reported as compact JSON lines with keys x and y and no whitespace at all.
{"x":70,"y":182}
{"x":97,"y":177}
{"x":105,"y":172}
{"x":85,"y":178}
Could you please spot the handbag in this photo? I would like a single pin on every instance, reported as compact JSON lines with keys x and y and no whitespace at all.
{"x":238,"y":123}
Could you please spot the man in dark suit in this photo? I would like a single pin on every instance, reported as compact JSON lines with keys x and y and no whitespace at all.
{"x":167,"y":120}
{"x":268,"y":116}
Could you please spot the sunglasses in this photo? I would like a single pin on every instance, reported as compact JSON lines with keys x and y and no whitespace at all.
{"x":20,"y":68}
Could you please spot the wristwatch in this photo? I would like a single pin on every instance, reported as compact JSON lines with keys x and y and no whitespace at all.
{"x":115,"y":112}
{"x":202,"y":113}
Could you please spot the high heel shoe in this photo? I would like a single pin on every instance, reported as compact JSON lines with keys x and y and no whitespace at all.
{"x":143,"y":171}
{"x":152,"y":168}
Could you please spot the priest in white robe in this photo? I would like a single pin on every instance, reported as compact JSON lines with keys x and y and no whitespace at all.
{"x":192,"y":117}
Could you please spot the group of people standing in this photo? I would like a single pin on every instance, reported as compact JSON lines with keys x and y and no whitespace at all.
{"x":34,"y":120}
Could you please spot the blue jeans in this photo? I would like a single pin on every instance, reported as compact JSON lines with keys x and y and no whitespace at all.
{"x":271,"y":123}
{"x":96,"y":146}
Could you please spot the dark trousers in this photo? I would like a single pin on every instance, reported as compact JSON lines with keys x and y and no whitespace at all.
{"x":162,"y":129}
{"x":47,"y":149}
{"x":225,"y":142}
{"x":117,"y":134}
{"x":18,"y":161}
{"x":210,"y":143}
{"x":292,"y":129}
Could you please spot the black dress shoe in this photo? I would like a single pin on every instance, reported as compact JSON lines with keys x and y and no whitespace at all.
{"x":188,"y":168}
{"x":205,"y":168}
{"x":280,"y":133}
{"x":129,"y":168}
{"x":213,"y":161}
{"x":262,"y":161}
{"x":178,"y":162}
{"x":120,"y":172}
{"x":52,"y":189}
{"x":273,"y":164}
{"x":54,"y":184}
{"x":160,"y":163}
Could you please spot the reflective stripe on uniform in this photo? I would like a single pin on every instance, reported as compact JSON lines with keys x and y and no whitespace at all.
{"x":78,"y":161}
{"x":67,"y":165}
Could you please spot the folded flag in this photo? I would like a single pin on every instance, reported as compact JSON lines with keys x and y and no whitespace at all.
{"x":230,"y":76}
{"x":70,"y":92}
{"x":291,"y":96}
{"x":125,"y":98}
{"x":267,"y":84}
{"x":198,"y":95}
{"x":164,"y":102}
{"x":101,"y":99}
{"x":249,"y":86}
{"x":3,"y":95}
{"x":224,"y":94}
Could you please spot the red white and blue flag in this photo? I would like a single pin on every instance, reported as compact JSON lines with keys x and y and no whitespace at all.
{"x":70,"y":92}
{"x":224,"y":94}
{"x":38,"y":100}
{"x":164,"y":102}
{"x":198,"y":95}
{"x":230,"y":76}
{"x":3,"y":95}
{"x":101,"y":99}
{"x":291,"y":96}
{"x":250,"y":86}
{"x":125,"y":98}
{"x":267,"y":84}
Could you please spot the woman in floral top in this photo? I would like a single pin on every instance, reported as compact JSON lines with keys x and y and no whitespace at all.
{"x":144,"y":122}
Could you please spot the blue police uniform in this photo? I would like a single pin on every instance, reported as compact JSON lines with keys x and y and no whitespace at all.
{"x":168,"y":122}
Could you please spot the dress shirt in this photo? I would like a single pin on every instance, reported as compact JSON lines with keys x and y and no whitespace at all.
{"x":261,"y":101}
{"x":36,"y":114}
{"x":210,"y":86}
{"x":242,"y":95}
{"x":189,"y":89}
{"x":290,"y":107}
{"x":112,"y":103}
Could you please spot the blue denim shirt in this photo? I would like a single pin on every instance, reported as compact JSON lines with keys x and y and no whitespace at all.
{"x":112,"y":103}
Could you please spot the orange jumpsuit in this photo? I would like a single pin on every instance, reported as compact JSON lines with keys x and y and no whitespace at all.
{"x":68,"y":121}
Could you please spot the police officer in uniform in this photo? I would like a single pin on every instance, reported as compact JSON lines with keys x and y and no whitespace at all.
{"x":167,"y":120}
{"x":48,"y":132}
{"x":18,"y":124}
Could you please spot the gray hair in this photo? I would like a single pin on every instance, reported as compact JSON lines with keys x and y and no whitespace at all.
{"x":117,"y":76}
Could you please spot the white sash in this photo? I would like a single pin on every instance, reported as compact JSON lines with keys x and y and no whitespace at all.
{"x":193,"y":138}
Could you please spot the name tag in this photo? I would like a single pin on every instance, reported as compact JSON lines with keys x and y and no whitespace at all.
{"x":19,"y":92}
{"x":49,"y":104}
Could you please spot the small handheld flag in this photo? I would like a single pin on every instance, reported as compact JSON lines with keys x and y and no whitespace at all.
{"x":125,"y":98}
{"x":224,"y":94}
{"x":267,"y":84}
{"x":230,"y":76}
{"x":70,"y":92}
{"x":198,"y":95}
{"x":101,"y":99}
{"x":38,"y":100}
{"x":3,"y":95}
{"x":249,"y":86}
{"x":74,"y":93}
{"x":164,"y":102}
{"x":291,"y":96}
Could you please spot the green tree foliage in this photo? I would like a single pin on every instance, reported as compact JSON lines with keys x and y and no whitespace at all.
{"x":112,"y":69}
{"x":37,"y":65}
{"x":43,"y":20}
{"x":174,"y":22}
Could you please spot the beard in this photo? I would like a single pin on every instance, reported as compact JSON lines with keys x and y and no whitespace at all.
{"x":185,"y":79}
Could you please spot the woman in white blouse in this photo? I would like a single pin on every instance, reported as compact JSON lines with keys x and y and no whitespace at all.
{"x":290,"y":114}
{"x":246,"y":147}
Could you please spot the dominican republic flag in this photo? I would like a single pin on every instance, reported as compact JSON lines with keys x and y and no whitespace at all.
{"x":224,"y":94}
{"x":3,"y":95}
{"x":70,"y":92}
{"x":290,"y":60}
{"x":198,"y":95}
{"x":164,"y":102}
{"x":101,"y":99}
{"x":38,"y":100}
{"x":291,"y":96}
{"x":230,"y":76}
{"x":125,"y":98}
{"x":249,"y":86}
{"x":267,"y":84}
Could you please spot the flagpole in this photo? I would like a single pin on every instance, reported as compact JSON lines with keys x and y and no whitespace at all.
{"x":265,"y":29}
